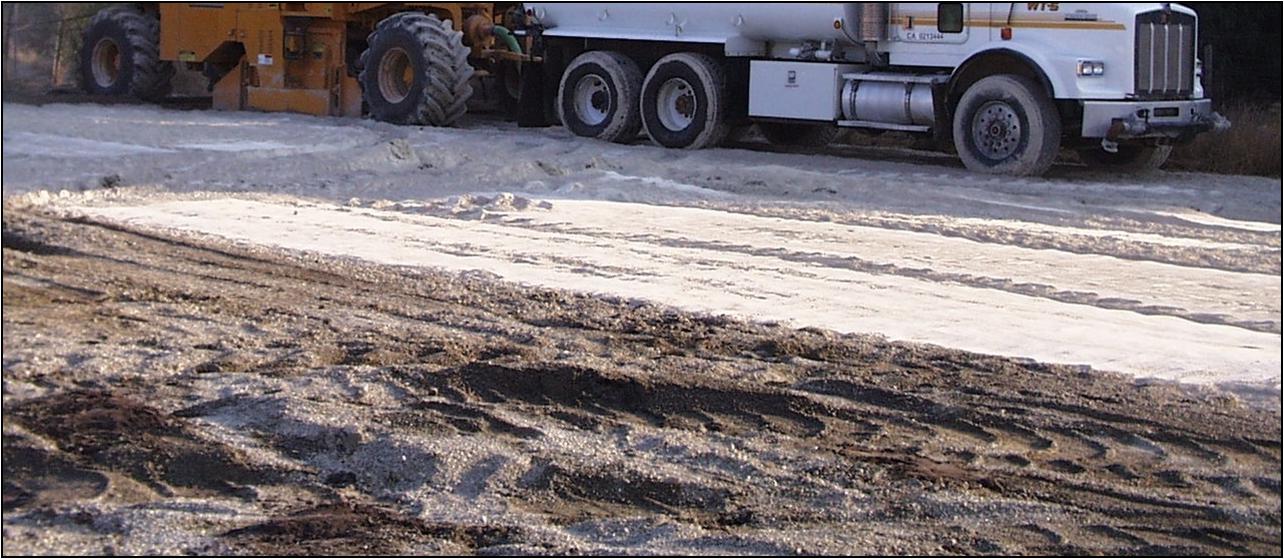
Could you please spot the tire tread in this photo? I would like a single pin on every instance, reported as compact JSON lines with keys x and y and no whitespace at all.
{"x":714,"y":80}
{"x":150,"y":77}
{"x":446,"y":74}
{"x":627,"y":79}
{"x":1043,"y":119}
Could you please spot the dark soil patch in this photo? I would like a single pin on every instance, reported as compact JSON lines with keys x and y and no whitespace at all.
{"x":362,"y":529}
{"x":107,"y":432}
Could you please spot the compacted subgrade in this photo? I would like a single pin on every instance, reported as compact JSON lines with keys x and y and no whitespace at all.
{"x":174,"y":394}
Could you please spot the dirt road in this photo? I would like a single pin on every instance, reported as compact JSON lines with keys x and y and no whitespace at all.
{"x":169,"y":395}
{"x":1172,"y":276}
{"x":281,"y":334}
{"x":1194,"y":324}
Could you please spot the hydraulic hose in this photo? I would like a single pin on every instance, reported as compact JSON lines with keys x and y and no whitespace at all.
{"x":507,"y":37}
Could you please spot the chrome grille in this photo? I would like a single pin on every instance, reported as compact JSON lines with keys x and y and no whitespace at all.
{"x":1165,"y":55}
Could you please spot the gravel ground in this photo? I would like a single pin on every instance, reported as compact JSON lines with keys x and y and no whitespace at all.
{"x":1167,"y":275}
{"x":176,"y":394}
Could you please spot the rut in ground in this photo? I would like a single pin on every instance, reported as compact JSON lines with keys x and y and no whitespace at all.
{"x":141,"y":368}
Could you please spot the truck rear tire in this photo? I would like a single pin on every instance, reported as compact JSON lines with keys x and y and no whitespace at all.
{"x":120,"y":55}
{"x":416,"y":71}
{"x":1007,"y":125}
{"x":598,"y":96}
{"x":798,"y":134}
{"x":1129,"y":158}
{"x":684,"y":102}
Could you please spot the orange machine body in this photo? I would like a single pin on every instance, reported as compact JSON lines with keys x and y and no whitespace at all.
{"x":286,"y":56}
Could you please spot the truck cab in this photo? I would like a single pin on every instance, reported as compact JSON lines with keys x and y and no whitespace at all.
{"x":1122,"y":74}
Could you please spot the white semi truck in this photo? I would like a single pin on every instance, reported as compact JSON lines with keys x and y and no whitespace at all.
{"x":1007,"y":84}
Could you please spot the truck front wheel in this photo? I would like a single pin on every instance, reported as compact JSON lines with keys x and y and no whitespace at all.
{"x":1007,"y":125}
{"x":684,"y":102}
{"x":1129,"y":158}
{"x":598,"y":96}
{"x":416,"y":71}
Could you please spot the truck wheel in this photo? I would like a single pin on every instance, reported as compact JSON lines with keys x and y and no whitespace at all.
{"x":598,"y":96}
{"x":416,"y":71}
{"x":800,"y":135}
{"x":120,"y":55}
{"x":1006,"y":125}
{"x":1129,"y":158}
{"x":684,"y":102}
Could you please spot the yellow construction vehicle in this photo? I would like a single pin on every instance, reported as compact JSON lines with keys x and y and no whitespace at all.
{"x":403,"y":62}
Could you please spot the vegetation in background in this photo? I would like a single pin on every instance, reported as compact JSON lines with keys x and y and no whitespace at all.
{"x":1239,"y":45}
{"x":42,"y":43}
{"x":1251,"y":147}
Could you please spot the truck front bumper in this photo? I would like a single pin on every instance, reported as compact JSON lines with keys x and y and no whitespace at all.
{"x":1127,"y":120}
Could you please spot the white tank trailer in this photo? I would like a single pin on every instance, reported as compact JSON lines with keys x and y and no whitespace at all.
{"x":748,"y":25}
{"x":1005,"y":84}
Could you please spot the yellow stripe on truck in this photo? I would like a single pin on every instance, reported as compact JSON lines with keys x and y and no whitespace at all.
{"x":1020,"y":24}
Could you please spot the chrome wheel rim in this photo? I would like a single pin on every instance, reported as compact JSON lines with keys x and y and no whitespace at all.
{"x":396,"y":75}
{"x":105,"y":62}
{"x":592,"y":100}
{"x":677,"y":104}
{"x":996,"y":130}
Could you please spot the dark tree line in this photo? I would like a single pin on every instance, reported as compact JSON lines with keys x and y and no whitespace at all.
{"x":1240,"y":44}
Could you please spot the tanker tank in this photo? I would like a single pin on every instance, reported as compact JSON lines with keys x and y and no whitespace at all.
{"x":703,"y":22}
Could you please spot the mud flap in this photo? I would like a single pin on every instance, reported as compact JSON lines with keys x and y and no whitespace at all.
{"x":531,"y":104}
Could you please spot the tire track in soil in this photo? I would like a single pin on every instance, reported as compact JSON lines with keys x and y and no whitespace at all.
{"x":843,"y":299}
{"x":587,"y":411}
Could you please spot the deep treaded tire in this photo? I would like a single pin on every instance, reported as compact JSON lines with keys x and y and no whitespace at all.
{"x":598,"y":96}
{"x":799,"y":135}
{"x":1007,"y":125}
{"x":684,"y":102}
{"x":416,"y":71}
{"x":120,"y":55}
{"x":1129,"y":158}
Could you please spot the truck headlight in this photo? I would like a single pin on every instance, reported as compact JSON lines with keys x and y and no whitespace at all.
{"x":1090,"y":68}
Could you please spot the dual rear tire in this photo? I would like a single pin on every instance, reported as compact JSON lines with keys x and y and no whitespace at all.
{"x":599,"y":97}
{"x":680,"y":103}
{"x":684,"y":102}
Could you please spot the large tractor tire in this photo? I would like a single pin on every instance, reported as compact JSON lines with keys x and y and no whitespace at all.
{"x":416,"y":71}
{"x":120,"y":56}
{"x":684,"y":102}
{"x":1007,"y":125}
{"x":799,"y":135}
{"x":598,"y":96}
{"x":1129,"y":158}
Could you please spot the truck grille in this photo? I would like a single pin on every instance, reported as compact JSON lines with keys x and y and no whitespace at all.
{"x":1165,"y":55}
